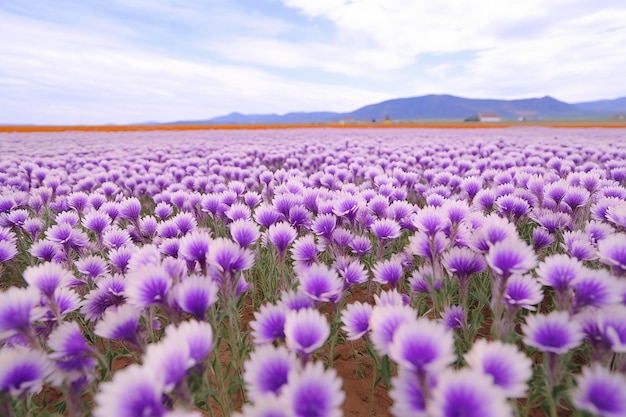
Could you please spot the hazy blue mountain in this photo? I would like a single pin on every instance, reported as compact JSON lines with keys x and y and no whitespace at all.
{"x":617,"y":105}
{"x":435,"y":106}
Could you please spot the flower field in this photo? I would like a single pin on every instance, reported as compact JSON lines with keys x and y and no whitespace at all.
{"x":313,"y":272}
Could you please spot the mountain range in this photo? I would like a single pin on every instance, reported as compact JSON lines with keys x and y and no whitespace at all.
{"x":435,"y":106}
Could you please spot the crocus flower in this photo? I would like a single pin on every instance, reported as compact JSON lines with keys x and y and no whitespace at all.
{"x":306,"y":331}
{"x":408,"y":398}
{"x":523,"y":291}
{"x":388,"y":272}
{"x":269,"y":323}
{"x":469,"y":393}
{"x":324,"y":225}
{"x":281,"y":235}
{"x":494,"y":229}
{"x":23,"y":370}
{"x":352,"y":271}
{"x":356,"y":319}
{"x":121,"y":323}
{"x":170,"y":357}
{"x":542,"y":238}
{"x":114,"y":237}
{"x":194,"y":248}
{"x":110,"y":292}
{"x":385,"y":229}
{"x":134,"y":392}
{"x":295,"y":300}
{"x":19,"y":307}
{"x":304,"y":252}
{"x":8,"y":250}
{"x":509,"y":368}
{"x":92,"y":266}
{"x":511,"y":256}
{"x":554,"y":333}
{"x":430,"y":220}
{"x":320,"y":283}
{"x":197,"y":335}
{"x":70,"y":351}
{"x":463,"y":263}
{"x":148,"y":286}
{"x":244,"y":232}
{"x":612,"y":252}
{"x":559,"y":271}
{"x":384,"y":322}
{"x":595,"y":288}
{"x":314,"y":392}
{"x":453,"y":317}
{"x":600,"y":392}
{"x":267,"y":370}
{"x":361,"y":245}
{"x":195,"y":294}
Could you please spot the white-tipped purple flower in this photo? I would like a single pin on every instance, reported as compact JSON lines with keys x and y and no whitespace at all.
{"x":453,"y":317}
{"x":320,"y":283}
{"x":324,"y":225}
{"x":388,"y":272}
{"x":384,"y":322}
{"x":121,"y":323}
{"x":19,"y":307}
{"x":306,"y":331}
{"x":267,"y":371}
{"x":170,"y":358}
{"x":523,"y":291}
{"x":511,"y":256}
{"x":542,"y":238}
{"x":352,"y":271}
{"x":314,"y":392}
{"x":281,"y":235}
{"x":194,"y":248}
{"x":595,"y":288}
{"x":47,"y":277}
{"x":269,"y":323}
{"x":304,"y":252}
{"x":23,"y":370}
{"x":494,"y":229}
{"x":115,"y":238}
{"x":385,"y":229}
{"x":356,"y":319}
{"x":70,"y":351}
{"x":407,"y":396}
{"x":133,"y":392}
{"x":509,"y":368}
{"x":148,"y":286}
{"x":554,"y":333}
{"x":600,"y":392}
{"x":198,"y":335}
{"x":391,"y":298}
{"x":612,"y":252}
{"x":430,"y":220}
{"x":244,"y":232}
{"x":195,"y":294}
{"x":422,"y":346}
{"x":110,"y":292}
{"x":92,"y":266}
{"x":469,"y":393}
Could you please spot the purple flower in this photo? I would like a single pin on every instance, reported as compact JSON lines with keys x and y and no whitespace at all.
{"x":185,"y":222}
{"x":130,"y":208}
{"x":320,"y":283}
{"x":244,"y":232}
{"x":430,"y":220}
{"x":494,"y":229}
{"x":391,"y":298}
{"x":554,"y":333}
{"x":595,"y":288}
{"x":70,"y":351}
{"x":385,"y":229}
{"x":110,"y":292}
{"x":163,"y":210}
{"x":148,"y":286}
{"x":511,"y":256}
{"x":422,"y":346}
{"x":388,"y":272}
{"x":92,"y":266}
{"x":8,"y":250}
{"x":384,"y":322}
{"x":509,"y":368}
{"x":120,"y":258}
{"x":612,"y":252}
{"x":426,"y":246}
{"x":195,"y":248}
{"x":295,"y":300}
{"x":238,"y":211}
{"x":324,"y":225}
{"x":304,"y":252}
{"x":600,"y":392}
{"x":23,"y":370}
{"x":47,"y":277}
{"x":19,"y":307}
{"x":133,"y":392}
{"x":352,"y":271}
{"x":306,"y":331}
{"x":453,"y":317}
{"x":170,"y":358}
{"x":198,"y":335}
{"x":195,"y":294}
{"x":542,"y":238}
{"x":281,"y":235}
{"x":115,"y":238}
{"x":267,"y":370}
{"x":361,"y":245}
{"x":356,"y":319}
{"x":523,"y":291}
{"x":314,"y":392}
{"x":347,"y":205}
{"x":121,"y":323}
{"x":269,"y":323}
{"x":463,"y":262}
{"x":408,"y":398}
{"x":267,"y":406}
{"x":266,"y":215}
{"x":469,"y":393}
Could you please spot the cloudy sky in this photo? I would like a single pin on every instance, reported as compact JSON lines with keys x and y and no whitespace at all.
{"x":126,"y":61}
